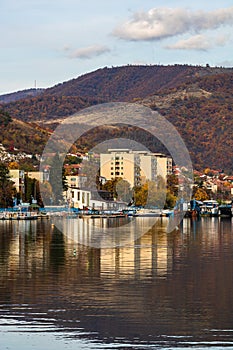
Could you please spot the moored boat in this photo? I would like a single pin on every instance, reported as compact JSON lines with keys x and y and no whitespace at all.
{"x":9,"y":215}
{"x":226,"y":210}
{"x":209,"y":208}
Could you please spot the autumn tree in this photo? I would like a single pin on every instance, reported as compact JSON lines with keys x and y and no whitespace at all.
{"x":173,"y":184}
{"x":13,"y":165}
{"x":140,"y":195}
{"x":200,"y":194}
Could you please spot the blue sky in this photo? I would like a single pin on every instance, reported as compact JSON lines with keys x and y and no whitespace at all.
{"x":52,"y":41}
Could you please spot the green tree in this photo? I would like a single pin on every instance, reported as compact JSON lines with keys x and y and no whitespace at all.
{"x":7,"y":189}
{"x":57,"y":179}
{"x":46,"y":194}
{"x":156,"y":193}
{"x":29,"y":188}
{"x":32,"y":190}
{"x":5,"y":118}
{"x":170,"y":200}
{"x":110,"y":186}
{"x":123,"y":190}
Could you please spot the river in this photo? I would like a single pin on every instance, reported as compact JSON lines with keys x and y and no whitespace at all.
{"x":159,"y":291}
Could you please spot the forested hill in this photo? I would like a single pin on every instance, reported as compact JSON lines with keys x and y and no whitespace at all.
{"x":197,"y":100}
{"x":20,"y":95}
{"x":202,"y":112}
{"x":127,"y":83}
{"x":21,"y":136}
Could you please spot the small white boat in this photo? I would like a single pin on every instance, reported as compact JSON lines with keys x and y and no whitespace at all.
{"x":209,"y":208}
{"x":148,"y":212}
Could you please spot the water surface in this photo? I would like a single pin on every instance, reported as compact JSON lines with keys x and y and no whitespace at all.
{"x":164,"y":290}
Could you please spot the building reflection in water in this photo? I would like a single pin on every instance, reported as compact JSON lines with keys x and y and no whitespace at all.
{"x":129,"y":257}
{"x":37,"y":245}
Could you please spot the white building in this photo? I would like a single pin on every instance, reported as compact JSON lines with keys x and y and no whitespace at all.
{"x":99,"y":200}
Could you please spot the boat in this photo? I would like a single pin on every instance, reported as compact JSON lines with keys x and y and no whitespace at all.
{"x":148,"y":213}
{"x":167,"y":212}
{"x":24,"y":211}
{"x":194,"y":209}
{"x":209,"y":208}
{"x":10,"y":215}
{"x":226,"y":210}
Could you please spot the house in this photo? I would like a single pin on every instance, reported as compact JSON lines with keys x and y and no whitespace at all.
{"x":98,"y":200}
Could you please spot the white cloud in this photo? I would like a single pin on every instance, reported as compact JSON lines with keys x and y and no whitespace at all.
{"x":89,"y":52}
{"x":160,"y":23}
{"x":198,"y":42}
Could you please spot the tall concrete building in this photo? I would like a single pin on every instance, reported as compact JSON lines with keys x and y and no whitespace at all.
{"x":17,"y":176}
{"x":134,"y":166}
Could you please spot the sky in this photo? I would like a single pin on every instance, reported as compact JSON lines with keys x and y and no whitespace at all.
{"x":46,"y":42}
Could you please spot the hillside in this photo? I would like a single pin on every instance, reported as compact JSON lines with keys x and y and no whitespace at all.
{"x":25,"y":137}
{"x":203,"y":114}
{"x":20,"y":95}
{"x":47,"y":107}
{"x":129,"y":82}
{"x":197,"y":100}
{"x":124,"y":84}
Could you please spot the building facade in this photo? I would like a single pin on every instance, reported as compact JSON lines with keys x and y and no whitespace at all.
{"x":134,"y":166}
{"x":96,"y":200}
{"x":17,"y":176}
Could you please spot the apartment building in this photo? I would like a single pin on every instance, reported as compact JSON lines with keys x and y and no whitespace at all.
{"x":17,"y":176}
{"x":134,"y":166}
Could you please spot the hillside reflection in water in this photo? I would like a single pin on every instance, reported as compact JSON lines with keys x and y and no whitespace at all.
{"x":162,"y":290}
